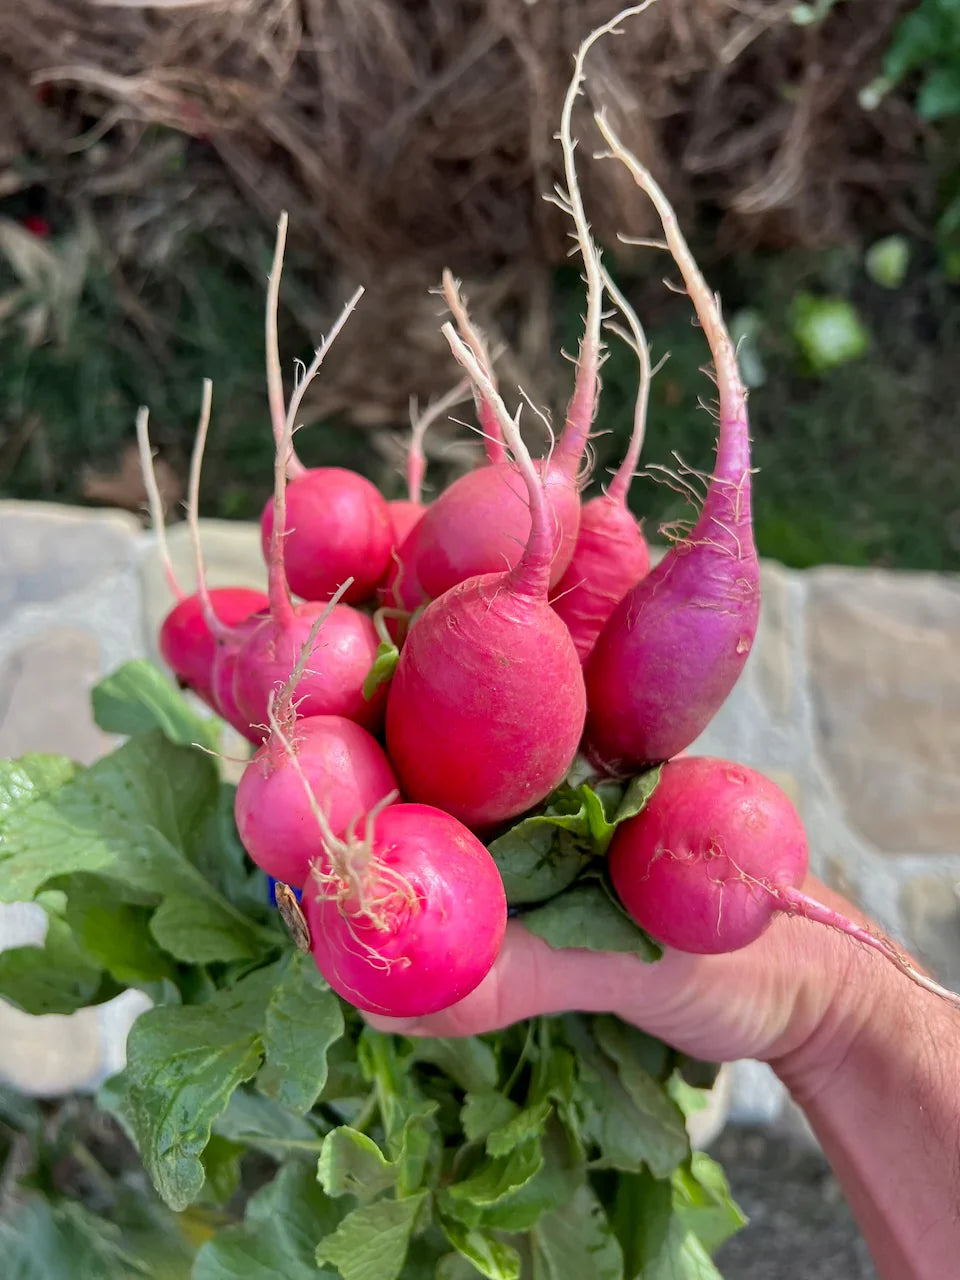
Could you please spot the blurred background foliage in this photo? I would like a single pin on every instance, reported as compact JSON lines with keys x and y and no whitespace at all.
{"x":813,"y":151}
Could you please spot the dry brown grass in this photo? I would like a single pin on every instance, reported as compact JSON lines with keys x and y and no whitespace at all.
{"x":408,"y":135}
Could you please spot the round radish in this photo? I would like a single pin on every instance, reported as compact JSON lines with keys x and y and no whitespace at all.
{"x":187,"y":644}
{"x":487,"y":705}
{"x":404,"y":515}
{"x":411,"y":920}
{"x":337,"y":527}
{"x":716,"y":852}
{"x":348,"y":774}
{"x":676,"y":643}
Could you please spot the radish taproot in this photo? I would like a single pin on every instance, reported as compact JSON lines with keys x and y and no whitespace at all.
{"x":347,"y":772}
{"x":717,"y":851}
{"x":486,"y":706}
{"x":337,"y":523}
{"x":611,"y":554}
{"x":675,"y":645}
{"x":345,"y":650}
{"x":187,"y":642}
{"x":480,"y":524}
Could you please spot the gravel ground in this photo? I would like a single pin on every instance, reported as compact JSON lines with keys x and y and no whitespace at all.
{"x":800,"y":1227}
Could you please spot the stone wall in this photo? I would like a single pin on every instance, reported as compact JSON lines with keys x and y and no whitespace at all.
{"x":851,"y":701}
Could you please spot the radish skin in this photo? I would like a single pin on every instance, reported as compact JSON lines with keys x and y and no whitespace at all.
{"x":486,"y":706}
{"x":674,"y":647}
{"x":611,"y":554}
{"x":422,"y":925}
{"x":347,"y":772}
{"x":718,"y":850}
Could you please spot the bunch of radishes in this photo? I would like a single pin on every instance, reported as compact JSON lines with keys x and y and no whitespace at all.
{"x":516,"y":627}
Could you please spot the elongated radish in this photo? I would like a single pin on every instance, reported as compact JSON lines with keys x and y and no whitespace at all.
{"x":481,"y":522}
{"x":343,"y":652}
{"x":718,"y":850}
{"x":486,"y":706}
{"x":406,"y":914}
{"x":675,"y":645}
{"x":347,"y":774}
{"x":611,"y":554}
{"x":337,"y":523}
{"x":186,"y":641}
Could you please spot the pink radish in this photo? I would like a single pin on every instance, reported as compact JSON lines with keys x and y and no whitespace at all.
{"x":486,"y":706}
{"x":337,"y":523}
{"x":407,"y":918}
{"x":187,"y":643}
{"x":611,"y":554}
{"x":481,"y":522}
{"x":675,"y":645}
{"x":416,"y":922}
{"x":345,"y":650}
{"x":347,"y":773}
{"x":716,"y":852}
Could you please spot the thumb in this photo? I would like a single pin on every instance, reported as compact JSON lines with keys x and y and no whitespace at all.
{"x":531,"y":978}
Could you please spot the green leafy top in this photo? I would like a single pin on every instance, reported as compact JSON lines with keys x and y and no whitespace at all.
{"x":376,"y":1157}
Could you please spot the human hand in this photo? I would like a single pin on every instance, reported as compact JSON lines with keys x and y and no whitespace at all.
{"x":791,"y":998}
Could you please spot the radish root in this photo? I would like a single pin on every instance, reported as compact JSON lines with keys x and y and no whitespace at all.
{"x":155,"y":502}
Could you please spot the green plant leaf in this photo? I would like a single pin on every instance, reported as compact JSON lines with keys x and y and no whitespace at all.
{"x":183,"y":1063}
{"x":221,"y":1170}
{"x":352,"y":1164}
{"x":199,"y":931}
{"x":563,"y":1171}
{"x":114,"y":933}
{"x":30,"y":778}
{"x":138,"y":697}
{"x":468,"y":1060}
{"x":577,"y":1241}
{"x":129,"y":818}
{"x":484,"y":1112}
{"x":519,"y":1129}
{"x":371,"y":1242}
{"x":303,"y":1020}
{"x":489,"y":1257}
{"x":44,"y":1240}
{"x":887,"y":260}
{"x":622,"y":1111}
{"x":702,"y":1201}
{"x":537,"y":859}
{"x":496,"y":1178}
{"x":585,"y":916}
{"x":939,"y":94}
{"x":279,"y":1234}
{"x":828,"y":331}
{"x":384,"y":665}
{"x":259,"y":1122}
{"x":57,"y":977}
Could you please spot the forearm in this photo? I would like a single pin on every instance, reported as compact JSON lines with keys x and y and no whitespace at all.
{"x":880,"y":1083}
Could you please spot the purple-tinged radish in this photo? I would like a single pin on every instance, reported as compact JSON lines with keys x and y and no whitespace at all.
{"x":486,"y":706}
{"x":611,"y":554}
{"x":716,"y":853}
{"x":675,"y":645}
